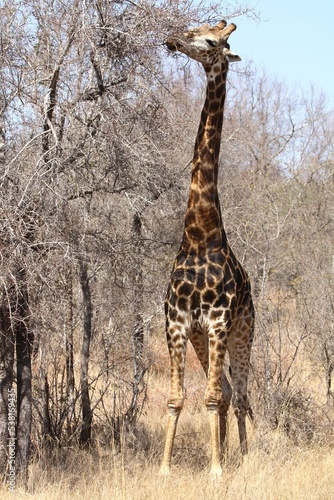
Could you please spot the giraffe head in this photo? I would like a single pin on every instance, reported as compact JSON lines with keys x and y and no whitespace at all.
{"x":206,"y":44}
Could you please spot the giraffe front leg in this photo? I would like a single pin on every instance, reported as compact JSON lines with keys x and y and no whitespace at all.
{"x":215,"y":470}
{"x":213,"y":399}
{"x":177,"y":352}
{"x":170,"y":435}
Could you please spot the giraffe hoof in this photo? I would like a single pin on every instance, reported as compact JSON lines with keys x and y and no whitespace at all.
{"x":216,"y":472}
{"x":164,"y":470}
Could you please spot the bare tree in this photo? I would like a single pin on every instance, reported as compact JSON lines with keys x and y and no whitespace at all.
{"x":83,"y":106}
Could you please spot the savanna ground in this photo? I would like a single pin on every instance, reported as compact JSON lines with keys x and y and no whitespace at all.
{"x":276,"y":467}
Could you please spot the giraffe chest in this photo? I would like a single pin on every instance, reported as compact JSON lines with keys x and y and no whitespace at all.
{"x":198,"y":305}
{"x":202,"y":295}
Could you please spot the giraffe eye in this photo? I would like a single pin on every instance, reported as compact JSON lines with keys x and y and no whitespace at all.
{"x":211,"y":43}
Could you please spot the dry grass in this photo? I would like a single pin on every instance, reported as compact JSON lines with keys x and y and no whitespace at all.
{"x":275,"y":468}
{"x":282,"y":472}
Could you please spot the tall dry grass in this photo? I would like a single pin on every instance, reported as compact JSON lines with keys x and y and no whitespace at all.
{"x":280,"y":471}
{"x":276,"y":468}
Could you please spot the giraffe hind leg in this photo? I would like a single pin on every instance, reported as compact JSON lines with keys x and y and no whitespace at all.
{"x":239,"y":356}
{"x":223,"y":412}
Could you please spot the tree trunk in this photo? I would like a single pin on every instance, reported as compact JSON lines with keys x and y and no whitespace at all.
{"x":24,"y":339}
{"x":6,"y":379}
{"x":85,"y":435}
{"x":329,"y":351}
{"x":138,"y":329}
{"x":46,"y":424}
{"x":70,"y":382}
{"x":7,"y":427}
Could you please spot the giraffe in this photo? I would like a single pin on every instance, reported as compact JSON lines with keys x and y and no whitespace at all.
{"x":208,"y":299}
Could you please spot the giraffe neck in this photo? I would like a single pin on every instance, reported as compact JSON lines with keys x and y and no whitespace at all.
{"x":203,"y":222}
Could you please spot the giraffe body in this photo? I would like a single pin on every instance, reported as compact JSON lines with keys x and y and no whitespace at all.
{"x":208,"y":299}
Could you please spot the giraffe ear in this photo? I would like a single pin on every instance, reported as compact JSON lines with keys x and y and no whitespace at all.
{"x":231,"y":56}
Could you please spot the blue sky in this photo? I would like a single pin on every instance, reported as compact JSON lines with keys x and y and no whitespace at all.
{"x":294,"y":41}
